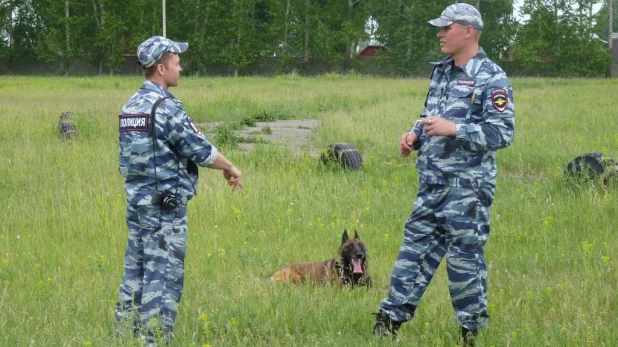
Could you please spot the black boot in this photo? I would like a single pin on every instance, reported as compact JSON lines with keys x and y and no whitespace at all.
{"x":468,"y":337}
{"x":385,"y":326}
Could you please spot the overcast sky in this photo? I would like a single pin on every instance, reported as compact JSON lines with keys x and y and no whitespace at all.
{"x":518,"y":3}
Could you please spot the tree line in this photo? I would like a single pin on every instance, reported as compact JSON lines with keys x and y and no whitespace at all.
{"x":557,"y":38}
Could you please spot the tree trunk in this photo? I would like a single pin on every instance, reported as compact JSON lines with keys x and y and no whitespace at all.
{"x":409,"y":41}
{"x":66,"y":58}
{"x":286,"y":20}
{"x":102,"y":15}
{"x":239,"y":39}
{"x":9,"y":24}
{"x":610,"y":39}
{"x":155,"y":20}
{"x":113,"y":51}
{"x":199,"y":28}
{"x":96,"y":14}
{"x":349,"y":44}
{"x":306,"y":41}
{"x":100,"y":19}
{"x":231,"y":66}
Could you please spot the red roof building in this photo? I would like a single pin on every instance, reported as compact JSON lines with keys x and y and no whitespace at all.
{"x":372,"y":49}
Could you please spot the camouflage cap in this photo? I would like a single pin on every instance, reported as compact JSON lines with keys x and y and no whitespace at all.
{"x":459,"y":13}
{"x":151,"y":50}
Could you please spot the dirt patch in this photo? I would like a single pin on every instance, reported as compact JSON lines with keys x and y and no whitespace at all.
{"x":295,"y":134}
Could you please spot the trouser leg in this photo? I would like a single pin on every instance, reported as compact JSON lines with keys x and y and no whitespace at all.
{"x":420,"y":254}
{"x":175,"y":269}
{"x":467,"y":218}
{"x":130,"y":292}
{"x":164,"y":253}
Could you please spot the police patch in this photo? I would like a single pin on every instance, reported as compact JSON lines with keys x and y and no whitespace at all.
{"x":195,"y":129}
{"x":499,"y":99}
{"x":133,"y":122}
{"x":463,"y":82}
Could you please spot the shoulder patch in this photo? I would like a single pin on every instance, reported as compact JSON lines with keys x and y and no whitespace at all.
{"x":133,"y":122}
{"x":499,"y":99}
{"x":195,"y":129}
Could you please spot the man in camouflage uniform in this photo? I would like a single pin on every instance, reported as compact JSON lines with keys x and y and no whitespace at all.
{"x":468,"y":116}
{"x":160,"y":149}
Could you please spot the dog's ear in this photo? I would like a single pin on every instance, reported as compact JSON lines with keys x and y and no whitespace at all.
{"x":344,"y":237}
{"x":356,"y":234}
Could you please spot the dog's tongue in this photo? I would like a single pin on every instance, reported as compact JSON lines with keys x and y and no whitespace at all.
{"x":357,"y":266}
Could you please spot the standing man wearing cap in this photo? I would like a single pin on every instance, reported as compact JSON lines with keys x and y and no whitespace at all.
{"x":160,"y":149}
{"x":468,"y":116}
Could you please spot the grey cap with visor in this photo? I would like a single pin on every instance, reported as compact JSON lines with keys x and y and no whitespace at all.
{"x":151,"y":50}
{"x":459,"y":13}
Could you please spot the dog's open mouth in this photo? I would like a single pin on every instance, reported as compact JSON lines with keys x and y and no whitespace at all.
{"x":358,"y":269}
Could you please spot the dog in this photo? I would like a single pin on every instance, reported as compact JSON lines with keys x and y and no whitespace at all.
{"x":349,"y":268}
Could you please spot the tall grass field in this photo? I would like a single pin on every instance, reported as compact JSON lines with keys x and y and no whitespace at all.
{"x":552,"y":253}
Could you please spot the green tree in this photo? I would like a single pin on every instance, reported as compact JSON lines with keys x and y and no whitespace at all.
{"x":403,"y":29}
{"x":200,"y":23}
{"x":115,"y":25}
{"x":22,"y":27}
{"x":288,"y":32}
{"x":602,"y":23}
{"x":499,"y":27}
{"x":239,"y":30}
{"x":559,"y":39}
{"x":353,"y":28}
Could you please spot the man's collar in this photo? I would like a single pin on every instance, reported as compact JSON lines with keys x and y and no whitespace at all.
{"x":156,"y":87}
{"x":471,"y":68}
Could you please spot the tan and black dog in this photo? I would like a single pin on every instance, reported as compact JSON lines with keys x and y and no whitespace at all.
{"x":349,"y":268}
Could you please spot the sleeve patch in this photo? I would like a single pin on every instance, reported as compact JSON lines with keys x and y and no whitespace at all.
{"x":195,"y":129}
{"x":133,"y":122}
{"x":500,"y":100}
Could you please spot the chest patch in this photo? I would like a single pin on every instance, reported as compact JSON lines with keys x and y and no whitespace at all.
{"x":464,"y":82}
{"x":133,"y":122}
{"x":499,"y":99}
{"x":195,"y":129}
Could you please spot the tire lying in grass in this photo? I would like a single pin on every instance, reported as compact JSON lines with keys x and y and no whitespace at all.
{"x":66,"y":126}
{"x":344,"y":155}
{"x":593,"y":166}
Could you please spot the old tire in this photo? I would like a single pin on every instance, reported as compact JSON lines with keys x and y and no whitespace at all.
{"x":342,"y":155}
{"x":592,"y":166}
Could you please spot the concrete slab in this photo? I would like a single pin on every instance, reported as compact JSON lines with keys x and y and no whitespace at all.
{"x":295,"y":134}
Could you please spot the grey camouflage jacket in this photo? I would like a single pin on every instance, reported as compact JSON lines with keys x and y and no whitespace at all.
{"x":179,"y":146}
{"x":478,"y":98}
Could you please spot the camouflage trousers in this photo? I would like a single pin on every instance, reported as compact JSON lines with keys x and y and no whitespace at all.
{"x":451,"y":221}
{"x":153,"y":271}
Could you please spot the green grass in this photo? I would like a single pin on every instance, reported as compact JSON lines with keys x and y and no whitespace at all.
{"x":551,"y":254}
